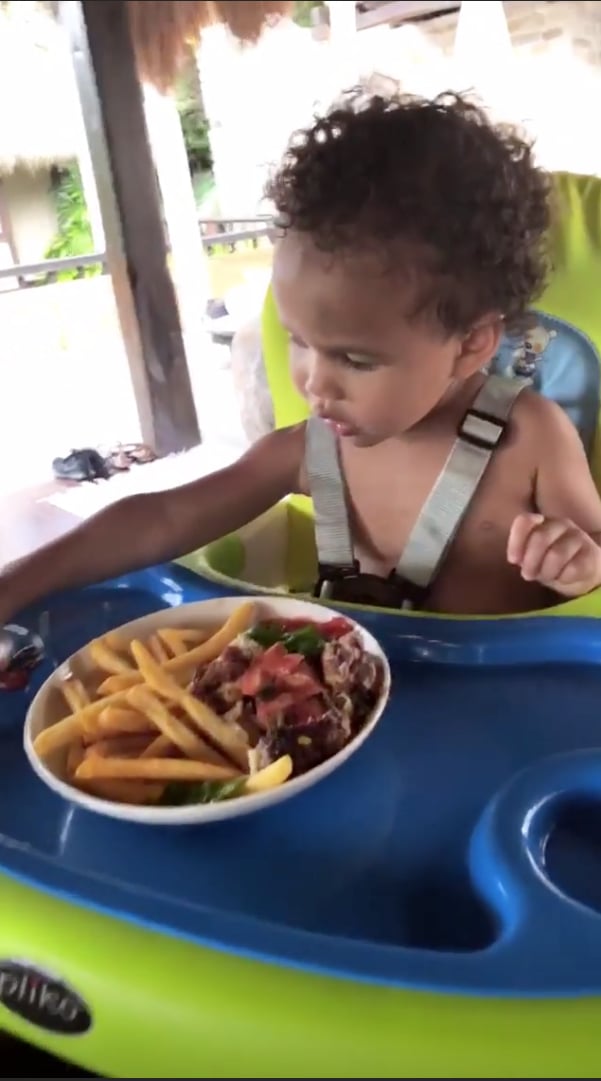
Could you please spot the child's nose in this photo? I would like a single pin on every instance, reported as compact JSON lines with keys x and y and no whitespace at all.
{"x":322,"y":383}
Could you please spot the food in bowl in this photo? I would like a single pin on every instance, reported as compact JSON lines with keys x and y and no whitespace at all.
{"x":184,"y":716}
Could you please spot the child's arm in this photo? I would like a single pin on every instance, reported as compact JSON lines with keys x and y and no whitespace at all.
{"x":147,"y":529}
{"x":559,"y":545}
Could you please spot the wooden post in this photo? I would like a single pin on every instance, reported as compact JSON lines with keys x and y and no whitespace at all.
{"x":136,"y":248}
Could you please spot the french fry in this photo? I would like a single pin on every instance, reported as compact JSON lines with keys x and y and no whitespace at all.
{"x":176,"y":731}
{"x":74,"y":693}
{"x":114,"y":719}
{"x":157,"y":649}
{"x":121,"y":682}
{"x":179,"y":640}
{"x":161,"y":747}
{"x":226,"y":735}
{"x":64,"y":732}
{"x":152,"y":769}
{"x":240,"y":620}
{"x":106,"y":658}
{"x":116,"y":641}
{"x":119,"y":746}
{"x":182,"y":664}
{"x":75,"y":756}
{"x":88,"y":716}
{"x":174,"y":641}
{"x":57,"y":736}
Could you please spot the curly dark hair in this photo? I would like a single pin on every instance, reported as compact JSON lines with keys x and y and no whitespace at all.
{"x":429,"y":180}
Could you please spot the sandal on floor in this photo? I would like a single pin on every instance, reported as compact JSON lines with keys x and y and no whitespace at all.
{"x":81,"y":465}
{"x":133,"y":453}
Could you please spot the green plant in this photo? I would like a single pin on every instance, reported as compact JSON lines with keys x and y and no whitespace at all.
{"x":74,"y":236}
{"x":302,"y":11}
{"x":195,"y":127}
{"x":196,"y":136}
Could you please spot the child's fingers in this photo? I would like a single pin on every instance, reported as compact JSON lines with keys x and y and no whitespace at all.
{"x":560,"y":562}
{"x":541,"y":540}
{"x":519,"y":533}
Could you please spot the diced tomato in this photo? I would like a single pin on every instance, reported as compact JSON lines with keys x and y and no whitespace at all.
{"x":287,"y":677}
{"x":276,"y":660}
{"x":253,"y":680}
{"x":336,"y":627}
{"x":332,"y":628}
{"x":276,"y":668}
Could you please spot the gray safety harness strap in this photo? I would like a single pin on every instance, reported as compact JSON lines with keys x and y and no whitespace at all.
{"x":479,"y":434}
{"x":333,"y":532}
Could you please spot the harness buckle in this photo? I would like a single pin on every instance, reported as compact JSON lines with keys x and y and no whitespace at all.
{"x":350,"y":584}
{"x":330,"y":574}
{"x":481,"y":429}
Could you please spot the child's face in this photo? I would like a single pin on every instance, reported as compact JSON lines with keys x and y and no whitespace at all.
{"x":355,"y":356}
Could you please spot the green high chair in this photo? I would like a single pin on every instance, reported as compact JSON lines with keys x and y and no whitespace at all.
{"x":277,"y":551}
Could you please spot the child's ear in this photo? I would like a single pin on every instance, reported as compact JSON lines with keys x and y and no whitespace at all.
{"x":479,"y":346}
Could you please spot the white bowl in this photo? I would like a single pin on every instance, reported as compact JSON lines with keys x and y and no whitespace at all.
{"x":45,"y":709}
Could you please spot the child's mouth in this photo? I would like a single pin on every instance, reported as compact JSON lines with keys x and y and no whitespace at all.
{"x":342,"y":429}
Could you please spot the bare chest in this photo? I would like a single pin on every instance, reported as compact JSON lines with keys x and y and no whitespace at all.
{"x":388,"y":487}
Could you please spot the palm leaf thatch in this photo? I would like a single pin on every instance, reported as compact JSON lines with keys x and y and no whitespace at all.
{"x":40,"y":120}
{"x":164,"y":30}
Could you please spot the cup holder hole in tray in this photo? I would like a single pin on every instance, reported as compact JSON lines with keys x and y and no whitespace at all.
{"x":573,"y":852}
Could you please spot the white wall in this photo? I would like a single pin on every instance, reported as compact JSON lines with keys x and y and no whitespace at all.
{"x":31,"y":210}
{"x":551,"y":85}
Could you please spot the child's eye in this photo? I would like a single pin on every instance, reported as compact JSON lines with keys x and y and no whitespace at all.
{"x":297,"y":342}
{"x":357,"y":363}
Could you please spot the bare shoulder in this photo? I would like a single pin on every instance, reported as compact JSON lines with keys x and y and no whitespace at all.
{"x":544,"y":423}
{"x":563,"y":483}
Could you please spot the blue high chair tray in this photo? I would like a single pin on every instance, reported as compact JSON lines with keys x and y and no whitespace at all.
{"x":440,"y":856}
{"x":459,"y":851}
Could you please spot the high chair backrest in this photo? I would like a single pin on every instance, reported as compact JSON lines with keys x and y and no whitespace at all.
{"x":560,"y":351}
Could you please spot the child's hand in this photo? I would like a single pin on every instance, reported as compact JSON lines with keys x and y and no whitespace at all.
{"x":556,"y":553}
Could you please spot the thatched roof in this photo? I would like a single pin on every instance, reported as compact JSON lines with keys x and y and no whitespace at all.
{"x":40,"y":123}
{"x":39,"y":114}
{"x":163,"y":30}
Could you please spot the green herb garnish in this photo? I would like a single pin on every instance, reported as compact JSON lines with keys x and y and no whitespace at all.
{"x":306,"y":640}
{"x":181,"y":794}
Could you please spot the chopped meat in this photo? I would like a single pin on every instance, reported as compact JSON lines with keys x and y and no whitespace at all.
{"x":308,"y":743}
{"x":368,"y":673}
{"x":287,"y":708}
{"x":340,"y":660}
{"x":243,"y":714}
{"x":217,"y":683}
{"x":347,"y":667}
{"x":307,"y":706}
